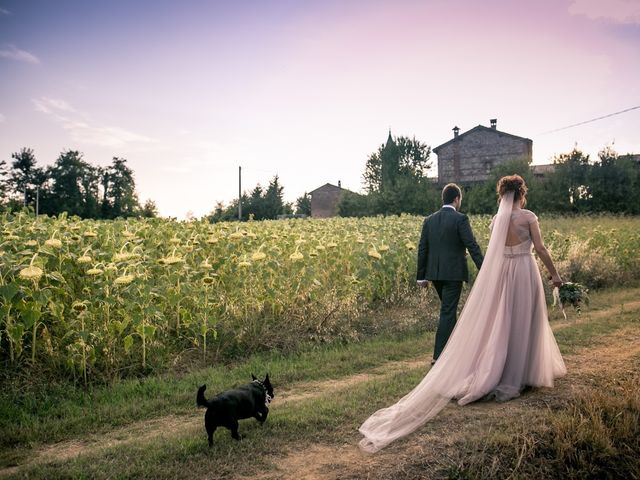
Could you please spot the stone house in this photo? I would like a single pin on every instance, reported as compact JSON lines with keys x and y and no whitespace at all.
{"x":325,"y":199}
{"x":541,"y":171}
{"x":469,"y":157}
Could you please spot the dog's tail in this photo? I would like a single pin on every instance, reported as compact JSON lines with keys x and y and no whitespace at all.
{"x":200,"y":400}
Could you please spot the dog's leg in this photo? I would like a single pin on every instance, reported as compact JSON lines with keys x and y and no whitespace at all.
{"x":233,"y":426}
{"x":263,"y":418}
{"x":211,"y":429}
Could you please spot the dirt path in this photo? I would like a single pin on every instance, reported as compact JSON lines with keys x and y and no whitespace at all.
{"x":168,"y":426}
{"x":596,"y":315}
{"x":323,"y":461}
{"x":316,"y":389}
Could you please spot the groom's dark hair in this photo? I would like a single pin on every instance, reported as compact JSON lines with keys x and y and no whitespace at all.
{"x":450,"y":192}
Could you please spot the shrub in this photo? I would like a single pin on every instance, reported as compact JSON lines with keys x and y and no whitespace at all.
{"x":590,"y":266}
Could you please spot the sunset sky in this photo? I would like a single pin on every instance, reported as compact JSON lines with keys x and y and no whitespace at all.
{"x":188,"y":91}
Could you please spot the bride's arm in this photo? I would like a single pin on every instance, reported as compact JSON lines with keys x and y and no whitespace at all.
{"x":543,"y":253}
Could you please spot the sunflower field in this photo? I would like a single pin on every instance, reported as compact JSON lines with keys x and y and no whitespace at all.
{"x":107,"y":299}
{"x":106,"y":296}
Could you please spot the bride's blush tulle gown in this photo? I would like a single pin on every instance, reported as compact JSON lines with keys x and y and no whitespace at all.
{"x":502,"y":341}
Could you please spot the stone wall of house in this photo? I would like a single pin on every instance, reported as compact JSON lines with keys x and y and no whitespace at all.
{"x":470,"y":157}
{"x":324,"y":201}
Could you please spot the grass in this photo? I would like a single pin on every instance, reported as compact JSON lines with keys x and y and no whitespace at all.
{"x":34,"y":418}
{"x":596,"y":435}
{"x":582,"y":332}
{"x":57,"y":412}
{"x":328,"y":418}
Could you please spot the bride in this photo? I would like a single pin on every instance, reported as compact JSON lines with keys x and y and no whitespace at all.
{"x":502,"y":341}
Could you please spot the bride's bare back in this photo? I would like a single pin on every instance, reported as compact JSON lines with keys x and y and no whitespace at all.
{"x":520,"y":229}
{"x":524,"y":227}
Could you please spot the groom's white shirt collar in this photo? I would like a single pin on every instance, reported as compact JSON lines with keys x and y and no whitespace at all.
{"x":449,"y":206}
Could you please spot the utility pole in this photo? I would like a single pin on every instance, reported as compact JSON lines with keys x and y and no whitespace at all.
{"x":240,"y":193}
{"x":37,"y":200}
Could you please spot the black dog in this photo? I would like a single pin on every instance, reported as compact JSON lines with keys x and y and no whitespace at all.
{"x":226,"y":409}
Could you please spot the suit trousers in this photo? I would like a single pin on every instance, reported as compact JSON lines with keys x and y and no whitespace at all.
{"x":449,"y":294}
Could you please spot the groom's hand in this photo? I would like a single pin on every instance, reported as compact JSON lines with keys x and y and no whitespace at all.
{"x":423,"y":283}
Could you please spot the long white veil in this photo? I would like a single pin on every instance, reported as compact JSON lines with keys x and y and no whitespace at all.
{"x":467,"y":362}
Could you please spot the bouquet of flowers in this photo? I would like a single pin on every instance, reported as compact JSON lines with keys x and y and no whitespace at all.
{"x":572,"y":294}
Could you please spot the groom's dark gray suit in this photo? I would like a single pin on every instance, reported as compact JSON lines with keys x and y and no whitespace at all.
{"x":446,"y":235}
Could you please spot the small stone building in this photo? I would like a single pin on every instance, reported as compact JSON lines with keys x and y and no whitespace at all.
{"x":325,"y":199}
{"x":541,"y":171}
{"x":469,"y":157}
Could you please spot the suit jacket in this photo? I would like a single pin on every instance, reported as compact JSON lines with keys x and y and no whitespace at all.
{"x":441,"y":252}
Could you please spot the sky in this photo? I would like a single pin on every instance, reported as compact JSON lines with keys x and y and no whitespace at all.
{"x":188,"y":91}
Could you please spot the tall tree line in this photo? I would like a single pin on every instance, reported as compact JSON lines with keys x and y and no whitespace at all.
{"x":577,"y":185}
{"x":259,"y":204}
{"x":70,"y":185}
{"x":395,"y":180}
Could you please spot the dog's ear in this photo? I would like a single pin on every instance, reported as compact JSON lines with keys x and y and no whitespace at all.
{"x":253,"y":377}
{"x":266,"y":379}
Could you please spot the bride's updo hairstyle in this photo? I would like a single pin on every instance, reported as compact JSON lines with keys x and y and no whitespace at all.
{"x":515,"y":184}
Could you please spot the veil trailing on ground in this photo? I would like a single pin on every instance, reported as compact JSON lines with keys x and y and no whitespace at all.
{"x":470,"y":360}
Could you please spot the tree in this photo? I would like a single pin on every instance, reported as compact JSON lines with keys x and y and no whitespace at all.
{"x":119,"y":190}
{"x":631,"y":171}
{"x":567,"y":189}
{"x":73,"y":187}
{"x":70,"y":185}
{"x":403,"y":157}
{"x":389,"y":165}
{"x":266,"y":204}
{"x":149,"y":209}
{"x":355,"y":205}
{"x":396,"y":181}
{"x":261,"y":204}
{"x":274,"y":204}
{"x":254,"y":206}
{"x":90,"y":187}
{"x":25,"y":177}
{"x":303,"y":205}
{"x":614,"y":183}
{"x":230,"y":212}
{"x":217,"y":214}
{"x":4,"y":183}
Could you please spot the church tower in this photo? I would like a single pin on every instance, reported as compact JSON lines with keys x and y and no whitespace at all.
{"x":390,"y":160}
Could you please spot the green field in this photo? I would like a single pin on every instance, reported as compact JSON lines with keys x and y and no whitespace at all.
{"x":96,"y":301}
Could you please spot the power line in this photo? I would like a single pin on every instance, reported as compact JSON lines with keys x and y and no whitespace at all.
{"x":589,"y":121}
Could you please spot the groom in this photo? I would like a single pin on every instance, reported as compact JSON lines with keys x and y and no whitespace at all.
{"x":446,"y":235}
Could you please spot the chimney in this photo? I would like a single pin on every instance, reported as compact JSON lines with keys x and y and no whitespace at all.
{"x":456,"y":130}
{"x":494,"y":123}
{"x":339,"y":184}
